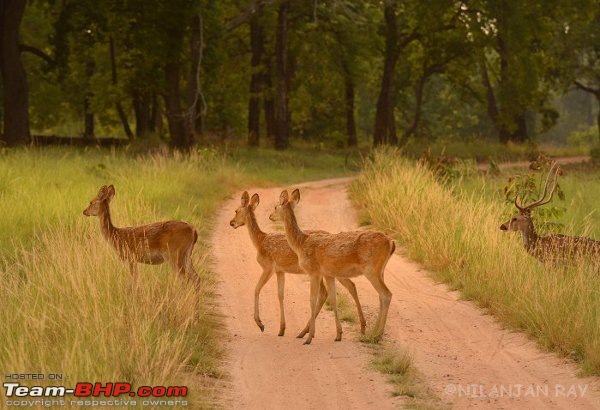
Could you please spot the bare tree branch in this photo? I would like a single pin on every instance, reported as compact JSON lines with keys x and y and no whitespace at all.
{"x":595,"y":91}
{"x":36,"y":51}
{"x":244,"y":16}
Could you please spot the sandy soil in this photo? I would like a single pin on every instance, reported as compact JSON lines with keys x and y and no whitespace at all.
{"x":468,"y":360}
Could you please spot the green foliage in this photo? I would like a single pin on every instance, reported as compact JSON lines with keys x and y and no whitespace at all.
{"x":529,"y":55}
{"x":595,"y":155}
{"x":584,"y":137}
{"x":528,"y":188}
{"x":445,"y":168}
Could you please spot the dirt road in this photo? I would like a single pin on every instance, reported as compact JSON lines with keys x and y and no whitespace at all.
{"x":468,"y":360}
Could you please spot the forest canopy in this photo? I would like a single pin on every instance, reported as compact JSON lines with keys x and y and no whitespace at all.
{"x":264,"y":72}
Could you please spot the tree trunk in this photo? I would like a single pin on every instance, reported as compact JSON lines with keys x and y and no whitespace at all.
{"x":175,"y":116}
{"x":350,"y":123}
{"x":193,"y":85}
{"x":512,"y":121}
{"x":88,"y":114}
{"x":596,"y":93}
{"x":490,"y":97}
{"x":14,"y":77}
{"x":88,"y":120}
{"x":281,"y":106}
{"x":418,"y":105}
{"x":268,"y":103}
{"x":173,"y":106}
{"x":385,"y":126}
{"x":257,"y":45}
{"x":154,"y":113}
{"x":428,"y":71}
{"x":141,"y":109}
{"x":598,"y":116}
{"x":119,"y":106}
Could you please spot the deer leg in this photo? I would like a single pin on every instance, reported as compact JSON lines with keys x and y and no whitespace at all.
{"x":185,"y":268}
{"x":385,"y":297}
{"x":266,"y":275}
{"x":348,"y":284}
{"x":315,"y":282}
{"x":333,"y":302}
{"x":280,"y":294}
{"x":175,"y":260}
{"x":189,"y":266}
{"x":321,"y":302}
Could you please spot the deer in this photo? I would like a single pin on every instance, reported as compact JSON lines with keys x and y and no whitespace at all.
{"x":152,"y":244}
{"x":274,"y":255}
{"x":335,"y":256}
{"x":551,"y":247}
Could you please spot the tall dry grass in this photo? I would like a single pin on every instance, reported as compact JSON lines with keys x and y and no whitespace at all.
{"x":455,"y":234}
{"x":67,"y":304}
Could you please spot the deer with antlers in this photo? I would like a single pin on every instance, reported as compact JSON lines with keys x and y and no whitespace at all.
{"x":274,"y":255}
{"x":550,"y":247}
{"x":335,"y":256}
{"x":153,"y":244}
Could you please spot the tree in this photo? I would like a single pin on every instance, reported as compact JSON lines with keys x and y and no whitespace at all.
{"x":14,"y":78}
{"x":281,"y":78}
{"x":257,"y":76}
{"x":516,"y":41}
{"x":417,"y":21}
{"x":581,"y":49}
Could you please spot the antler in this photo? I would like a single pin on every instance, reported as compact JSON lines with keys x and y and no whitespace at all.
{"x":542,"y":200}
{"x":520,"y":208}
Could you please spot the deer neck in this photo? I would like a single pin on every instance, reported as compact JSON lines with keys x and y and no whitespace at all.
{"x":106,"y":226}
{"x":293,"y":233}
{"x":530,"y":238}
{"x":256,"y":234}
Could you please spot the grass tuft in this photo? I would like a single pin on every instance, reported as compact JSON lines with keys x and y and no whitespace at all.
{"x":405,"y":379}
{"x":455,"y":233}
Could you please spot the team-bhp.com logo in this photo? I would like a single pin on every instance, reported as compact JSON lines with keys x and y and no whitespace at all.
{"x":89,"y":394}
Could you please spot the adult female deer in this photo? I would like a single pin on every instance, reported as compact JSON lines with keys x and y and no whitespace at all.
{"x":550,"y":247}
{"x":152,"y":244}
{"x":342,"y":255}
{"x":274,"y":254}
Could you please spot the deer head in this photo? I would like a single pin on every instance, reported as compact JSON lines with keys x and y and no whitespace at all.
{"x":104,"y":196}
{"x":245,"y":211}
{"x":285,"y":200}
{"x":522,"y":220}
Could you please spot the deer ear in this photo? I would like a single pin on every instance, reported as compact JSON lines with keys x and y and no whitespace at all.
{"x":102,"y":191}
{"x":283,"y":198}
{"x":110,"y":192}
{"x":295,"y":197}
{"x":254,"y":201}
{"x":245,"y":198}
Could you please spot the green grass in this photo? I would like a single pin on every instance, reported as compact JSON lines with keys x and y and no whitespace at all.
{"x":404,"y":377}
{"x":66,"y":302}
{"x":345,"y":306}
{"x":481,"y":150}
{"x":455,"y":233}
{"x":580,"y":184}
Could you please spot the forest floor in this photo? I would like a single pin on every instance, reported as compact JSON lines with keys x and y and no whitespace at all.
{"x":465,"y":356}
